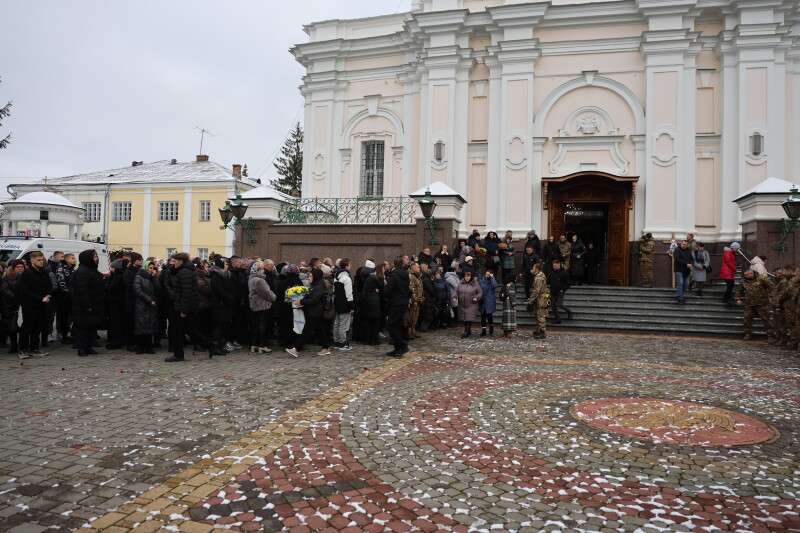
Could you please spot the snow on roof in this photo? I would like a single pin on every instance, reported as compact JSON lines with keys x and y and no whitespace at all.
{"x":160,"y":171}
{"x":770,"y":186}
{"x":437,"y":188}
{"x":43,"y":198}
{"x":264,"y":193}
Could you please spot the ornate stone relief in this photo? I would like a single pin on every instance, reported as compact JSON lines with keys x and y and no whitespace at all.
{"x":588,"y":123}
{"x":664,"y":153}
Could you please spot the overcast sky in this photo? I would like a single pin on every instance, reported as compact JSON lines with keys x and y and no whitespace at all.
{"x":98,"y":84}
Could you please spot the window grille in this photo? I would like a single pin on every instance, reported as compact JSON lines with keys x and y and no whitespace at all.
{"x":372,"y":169}
{"x":202,"y":253}
{"x":121,"y":211}
{"x":91,"y":211}
{"x":205,"y":210}
{"x":167,"y":211}
{"x":171,"y":252}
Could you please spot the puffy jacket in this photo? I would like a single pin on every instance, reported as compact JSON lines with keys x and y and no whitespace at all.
{"x":260,"y":295}
{"x":184,"y":285}
{"x":64,"y":276}
{"x":8,"y":291}
{"x":343,"y":292}
{"x":467,"y":309}
{"x":88,"y":293}
{"x":145,"y":316}
{"x":757,"y":266}
{"x":313,"y":301}
{"x":127,"y":280}
{"x":452,"y":283}
{"x":728,"y":268}
{"x":203,"y":289}
{"x":223,"y":288}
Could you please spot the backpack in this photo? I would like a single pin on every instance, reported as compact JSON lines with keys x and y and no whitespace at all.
{"x":327,"y":302}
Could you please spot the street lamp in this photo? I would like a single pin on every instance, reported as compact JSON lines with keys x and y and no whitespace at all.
{"x":427,"y":205}
{"x":237,"y":210}
{"x":792,"y":209}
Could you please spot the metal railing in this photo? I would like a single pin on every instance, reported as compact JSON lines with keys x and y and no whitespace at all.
{"x":396,"y":210}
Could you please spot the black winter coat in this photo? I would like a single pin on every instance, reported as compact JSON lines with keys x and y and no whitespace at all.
{"x":527,"y":262}
{"x":535,"y":243}
{"x":427,"y":311}
{"x":223,"y":288}
{"x":371,"y":297}
{"x":550,"y":252}
{"x":127,"y":280}
{"x":145,"y":316}
{"x":8,"y":291}
{"x":88,"y":293}
{"x":184,"y":285}
{"x":33,"y":286}
{"x":559,"y":281}
{"x":398,"y":288}
{"x":313,"y":301}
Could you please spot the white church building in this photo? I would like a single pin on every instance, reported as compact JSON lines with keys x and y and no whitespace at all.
{"x":609,"y":118}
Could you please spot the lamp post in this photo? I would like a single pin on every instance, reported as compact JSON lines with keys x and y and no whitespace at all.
{"x":792,"y":209}
{"x":427,"y":205}
{"x":237,"y":210}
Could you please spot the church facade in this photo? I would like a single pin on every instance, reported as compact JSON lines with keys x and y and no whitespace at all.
{"x":609,"y":119}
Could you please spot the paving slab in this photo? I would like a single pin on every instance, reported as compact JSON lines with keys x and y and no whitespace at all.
{"x":581,"y":432}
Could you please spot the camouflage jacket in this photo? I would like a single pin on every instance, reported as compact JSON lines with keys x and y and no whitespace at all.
{"x":415,"y":285}
{"x":754,"y":291}
{"x":778,"y":290}
{"x":539,"y":292}
{"x":566,"y":250}
{"x":646,"y":250}
{"x":788,"y":298}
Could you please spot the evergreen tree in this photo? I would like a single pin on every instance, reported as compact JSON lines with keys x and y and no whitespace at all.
{"x":290,"y":163}
{"x":4,"y":112}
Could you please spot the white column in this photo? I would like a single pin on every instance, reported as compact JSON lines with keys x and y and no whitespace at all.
{"x":43,"y":229}
{"x":188,"y":214}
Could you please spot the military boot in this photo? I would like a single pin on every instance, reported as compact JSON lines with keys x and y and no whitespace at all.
{"x":747,"y":337}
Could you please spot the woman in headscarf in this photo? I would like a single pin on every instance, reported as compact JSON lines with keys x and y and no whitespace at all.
{"x":88,"y":302}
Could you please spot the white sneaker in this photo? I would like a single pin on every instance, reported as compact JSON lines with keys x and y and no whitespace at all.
{"x":50,"y":338}
{"x":229,"y":346}
{"x":292,"y":352}
{"x":23,"y":355}
{"x":324,"y":351}
{"x":264,"y":349}
{"x":38,"y":353}
{"x":346,"y":347}
{"x":236,"y":345}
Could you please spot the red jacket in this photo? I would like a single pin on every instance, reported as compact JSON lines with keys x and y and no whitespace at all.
{"x":728,"y":268}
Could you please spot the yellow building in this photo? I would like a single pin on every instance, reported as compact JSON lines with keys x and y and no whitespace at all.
{"x":155,"y":209}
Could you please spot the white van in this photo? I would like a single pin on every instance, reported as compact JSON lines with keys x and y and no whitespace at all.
{"x":18,"y":248}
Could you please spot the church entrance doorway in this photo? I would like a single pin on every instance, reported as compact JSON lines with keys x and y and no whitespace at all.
{"x":597,"y":206}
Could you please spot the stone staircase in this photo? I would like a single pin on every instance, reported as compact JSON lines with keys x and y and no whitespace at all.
{"x":602,"y":308}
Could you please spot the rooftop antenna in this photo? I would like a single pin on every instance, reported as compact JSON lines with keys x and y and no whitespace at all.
{"x":203,"y":132}
{"x":45,"y":184}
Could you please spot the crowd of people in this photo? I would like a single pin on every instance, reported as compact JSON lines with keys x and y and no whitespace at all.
{"x":224,"y":304}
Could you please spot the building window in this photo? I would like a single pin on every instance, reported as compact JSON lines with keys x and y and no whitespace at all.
{"x":202,"y":253}
{"x":91,"y":211}
{"x":44,"y":215}
{"x":372,"y":169}
{"x":205,"y":210}
{"x":171,"y":252}
{"x":168,"y":211}
{"x":121,"y":211}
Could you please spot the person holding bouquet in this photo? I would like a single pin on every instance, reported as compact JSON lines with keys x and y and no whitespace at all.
{"x":313,"y":309}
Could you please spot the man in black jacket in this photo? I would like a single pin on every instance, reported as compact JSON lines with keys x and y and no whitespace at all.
{"x":559,"y":285}
{"x":35,"y":289}
{"x":130,"y":298}
{"x":397,"y":294}
{"x":682,"y":262}
{"x":185,"y":305}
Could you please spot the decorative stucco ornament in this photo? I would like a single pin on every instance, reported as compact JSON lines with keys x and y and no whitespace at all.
{"x":588,"y":124}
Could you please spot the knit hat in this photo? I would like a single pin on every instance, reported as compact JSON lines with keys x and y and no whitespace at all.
{"x":735,"y":246}
{"x":220,"y":262}
{"x":469,"y":258}
{"x":292,"y":269}
{"x":16,"y":262}
{"x":135,"y":256}
{"x":369,"y":264}
{"x":326,"y":270}
{"x":117,"y":264}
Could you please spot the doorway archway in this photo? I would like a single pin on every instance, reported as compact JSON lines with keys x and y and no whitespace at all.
{"x":600,"y":205}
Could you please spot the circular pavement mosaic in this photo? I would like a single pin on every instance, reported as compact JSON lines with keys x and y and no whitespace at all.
{"x":673,"y":422}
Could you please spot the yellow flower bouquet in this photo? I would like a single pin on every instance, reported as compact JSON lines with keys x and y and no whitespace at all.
{"x":296,"y":293}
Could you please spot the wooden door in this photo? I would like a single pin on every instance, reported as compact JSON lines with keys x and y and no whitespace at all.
{"x":618,"y":243}
{"x":556,"y":220}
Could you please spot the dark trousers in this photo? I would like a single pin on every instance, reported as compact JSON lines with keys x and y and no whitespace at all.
{"x":84,"y":338}
{"x":487,"y":318}
{"x":144,"y":342}
{"x":130,"y":339}
{"x":63,"y":312}
{"x":33,"y":321}
{"x":258,"y":327}
{"x":116,"y":327}
{"x":394,"y":325}
{"x":558,"y":303}
{"x":728,"y":290}
{"x":218,"y":336}
{"x":370,"y":327}
{"x":528,"y":280}
{"x":180,"y":326}
{"x":314,"y":325}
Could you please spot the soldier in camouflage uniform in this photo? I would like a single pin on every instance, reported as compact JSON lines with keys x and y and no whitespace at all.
{"x":754,"y":290}
{"x":647,"y":248}
{"x":417,"y":297}
{"x":791,"y":309}
{"x":538,"y":299}
{"x":778,"y":302}
{"x":565,"y":249}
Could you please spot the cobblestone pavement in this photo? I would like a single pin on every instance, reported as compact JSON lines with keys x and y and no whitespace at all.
{"x":581,"y":433}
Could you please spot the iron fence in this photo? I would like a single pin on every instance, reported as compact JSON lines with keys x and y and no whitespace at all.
{"x":397,"y":210}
